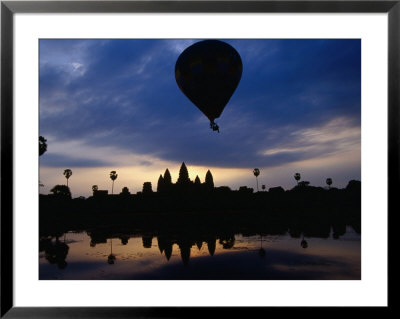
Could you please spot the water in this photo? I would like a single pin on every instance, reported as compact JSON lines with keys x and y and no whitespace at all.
{"x":88,"y":255}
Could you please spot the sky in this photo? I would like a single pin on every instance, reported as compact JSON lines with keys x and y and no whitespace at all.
{"x":114,"y":105}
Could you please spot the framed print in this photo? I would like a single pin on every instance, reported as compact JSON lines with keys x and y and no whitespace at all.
{"x":199,"y":154}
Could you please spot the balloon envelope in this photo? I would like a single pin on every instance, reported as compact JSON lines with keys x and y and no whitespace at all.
{"x":208,"y":73}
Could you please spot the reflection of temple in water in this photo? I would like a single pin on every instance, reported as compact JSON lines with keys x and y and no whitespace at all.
{"x":55,"y":251}
{"x":199,"y":237}
{"x":165,"y":245}
{"x":185,"y":247}
{"x":185,"y":241}
{"x":166,"y":242}
{"x":211,"y":244}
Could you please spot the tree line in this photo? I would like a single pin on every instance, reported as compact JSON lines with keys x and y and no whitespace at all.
{"x":165,"y":184}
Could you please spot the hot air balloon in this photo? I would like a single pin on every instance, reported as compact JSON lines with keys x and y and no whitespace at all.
{"x":208,"y":72}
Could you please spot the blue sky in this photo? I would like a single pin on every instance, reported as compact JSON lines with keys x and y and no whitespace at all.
{"x":115,"y":105}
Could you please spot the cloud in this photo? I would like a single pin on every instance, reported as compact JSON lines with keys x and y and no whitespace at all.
{"x":177,"y":46}
{"x":336,"y":136}
{"x":64,"y":161}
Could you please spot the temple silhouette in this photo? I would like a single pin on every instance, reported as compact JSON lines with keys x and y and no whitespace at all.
{"x":167,"y":240}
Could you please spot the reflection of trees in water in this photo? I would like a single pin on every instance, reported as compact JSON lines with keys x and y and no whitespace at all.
{"x":310,"y":228}
{"x":303,"y":243}
{"x":187,"y":233}
{"x":55,"y":251}
{"x":124,"y":239}
{"x":97,"y":237}
{"x":227,"y":242}
{"x":111,"y":257}
{"x":147,"y":241}
{"x":339,"y":229}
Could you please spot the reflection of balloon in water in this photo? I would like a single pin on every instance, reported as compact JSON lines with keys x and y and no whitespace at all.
{"x":208,"y":73}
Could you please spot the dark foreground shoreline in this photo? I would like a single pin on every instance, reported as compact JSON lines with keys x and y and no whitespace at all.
{"x":311,"y":212}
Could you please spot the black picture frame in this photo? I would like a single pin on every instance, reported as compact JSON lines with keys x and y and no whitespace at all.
{"x":9,"y":8}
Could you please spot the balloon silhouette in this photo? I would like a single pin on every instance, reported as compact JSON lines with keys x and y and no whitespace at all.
{"x":208,"y":72}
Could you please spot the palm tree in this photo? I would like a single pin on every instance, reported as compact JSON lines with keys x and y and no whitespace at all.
{"x":297,"y":177}
{"x":256,"y":172}
{"x":113,"y":176}
{"x":329,"y":182}
{"x":67,"y":173}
